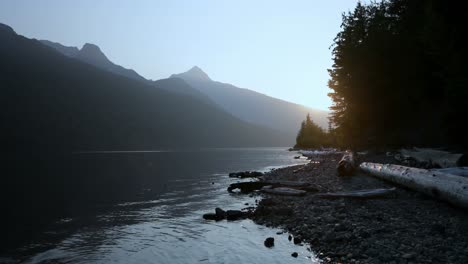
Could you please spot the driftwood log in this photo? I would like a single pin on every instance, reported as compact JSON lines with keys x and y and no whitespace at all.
{"x":436,"y":158}
{"x":447,"y":187}
{"x":459,"y":171}
{"x":347,"y":164}
{"x":248,"y":187}
{"x":284,"y":191}
{"x":359,"y":194}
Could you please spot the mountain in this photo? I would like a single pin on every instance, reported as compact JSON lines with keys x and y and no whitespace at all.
{"x":59,"y":95}
{"x":52,"y":106}
{"x":256,"y":108}
{"x":93,"y":55}
{"x":252,"y":106}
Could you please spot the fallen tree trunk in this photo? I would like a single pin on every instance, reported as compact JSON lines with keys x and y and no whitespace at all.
{"x":433,"y":157}
{"x":359,"y":194}
{"x":284,"y":191}
{"x":447,"y":187}
{"x":459,"y":171}
{"x":347,"y":164}
{"x":248,"y":187}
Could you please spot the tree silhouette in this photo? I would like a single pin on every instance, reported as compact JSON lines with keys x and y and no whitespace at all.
{"x":310,"y":135}
{"x":399,"y":75}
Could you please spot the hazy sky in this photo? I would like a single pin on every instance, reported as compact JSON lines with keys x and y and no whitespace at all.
{"x":280,"y":48}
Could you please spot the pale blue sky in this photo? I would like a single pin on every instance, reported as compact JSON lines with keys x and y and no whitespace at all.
{"x":280,"y":48}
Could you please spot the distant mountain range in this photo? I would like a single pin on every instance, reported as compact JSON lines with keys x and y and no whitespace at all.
{"x":244,"y":104}
{"x":252,"y":106}
{"x":59,"y":102}
{"x":93,"y":55}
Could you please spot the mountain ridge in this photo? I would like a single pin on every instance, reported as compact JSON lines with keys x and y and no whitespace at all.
{"x":92,"y":54}
{"x":255,"y":107}
{"x":246,"y":104}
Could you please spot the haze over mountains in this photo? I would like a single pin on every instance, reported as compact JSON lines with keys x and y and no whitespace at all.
{"x":57,"y":100}
{"x":252,"y":106}
{"x":46,"y":94}
{"x":53,"y":105}
{"x":245,"y":104}
{"x":93,"y":55}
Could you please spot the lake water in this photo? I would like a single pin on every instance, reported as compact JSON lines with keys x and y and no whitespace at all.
{"x":165,"y":224}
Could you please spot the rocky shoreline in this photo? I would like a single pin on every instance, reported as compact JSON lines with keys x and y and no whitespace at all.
{"x":403,"y":227}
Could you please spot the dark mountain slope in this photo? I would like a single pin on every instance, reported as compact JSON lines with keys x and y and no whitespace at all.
{"x":47,"y":92}
{"x":93,"y":55}
{"x":52,"y":105}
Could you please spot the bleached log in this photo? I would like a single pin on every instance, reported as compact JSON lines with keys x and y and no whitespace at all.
{"x":459,"y":171}
{"x":447,"y":187}
{"x":440,"y":158}
{"x":359,"y":194}
{"x":285,"y":191}
{"x":347,"y":164}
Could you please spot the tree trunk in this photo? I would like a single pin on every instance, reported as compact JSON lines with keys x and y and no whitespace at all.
{"x":347,"y":164}
{"x":359,"y":194}
{"x":447,"y":187}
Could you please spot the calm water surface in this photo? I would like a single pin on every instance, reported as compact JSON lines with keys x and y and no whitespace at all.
{"x":165,"y":225}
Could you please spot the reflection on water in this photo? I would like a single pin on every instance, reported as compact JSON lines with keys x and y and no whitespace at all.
{"x":168,"y":227}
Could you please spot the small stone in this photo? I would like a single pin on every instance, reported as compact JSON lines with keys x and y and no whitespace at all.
{"x":279,"y":232}
{"x":269,"y":242}
{"x":294,"y":254}
{"x":289,"y":237}
{"x":408,"y":255}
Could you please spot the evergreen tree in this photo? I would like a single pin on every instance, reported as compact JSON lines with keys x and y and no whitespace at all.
{"x":310,"y":135}
{"x":399,"y":75}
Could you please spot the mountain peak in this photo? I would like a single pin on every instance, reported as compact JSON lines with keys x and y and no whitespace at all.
{"x":91,"y":48}
{"x":92,"y":54}
{"x":6,"y":28}
{"x":195,"y":73}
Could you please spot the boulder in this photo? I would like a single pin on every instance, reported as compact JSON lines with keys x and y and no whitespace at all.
{"x":210,"y":216}
{"x":235,"y":215}
{"x":220,"y":213}
{"x":246,"y":187}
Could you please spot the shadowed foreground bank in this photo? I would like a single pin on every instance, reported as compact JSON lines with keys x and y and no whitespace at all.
{"x":404,"y":227}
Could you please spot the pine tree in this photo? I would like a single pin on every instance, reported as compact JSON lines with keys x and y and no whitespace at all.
{"x":310,"y":135}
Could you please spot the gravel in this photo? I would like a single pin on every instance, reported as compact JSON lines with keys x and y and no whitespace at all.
{"x":405,"y":227}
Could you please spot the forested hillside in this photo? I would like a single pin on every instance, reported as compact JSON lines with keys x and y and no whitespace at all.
{"x":400,"y":75}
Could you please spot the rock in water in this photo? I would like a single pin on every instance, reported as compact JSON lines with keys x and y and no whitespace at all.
{"x":210,"y":216}
{"x":246,"y":187}
{"x":294,"y":254}
{"x":220,"y":213}
{"x":235,"y":214}
{"x":269,"y":242}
